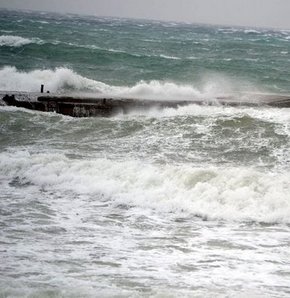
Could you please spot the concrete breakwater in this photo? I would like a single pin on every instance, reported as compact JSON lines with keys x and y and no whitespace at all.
{"x":76,"y":106}
{"x":83,"y":106}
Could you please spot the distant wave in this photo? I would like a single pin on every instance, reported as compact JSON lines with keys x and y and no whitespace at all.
{"x":118,"y":51}
{"x":17,"y":41}
{"x":94,"y":47}
{"x":252,"y":31}
{"x":170,"y":57}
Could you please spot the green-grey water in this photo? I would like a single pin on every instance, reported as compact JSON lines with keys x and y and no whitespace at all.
{"x":185,"y":202}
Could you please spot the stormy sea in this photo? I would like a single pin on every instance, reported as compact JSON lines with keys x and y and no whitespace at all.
{"x":192,"y":201}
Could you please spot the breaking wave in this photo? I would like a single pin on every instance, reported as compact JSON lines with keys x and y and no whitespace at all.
{"x":235,"y":194}
{"x":66,"y":80}
{"x":17,"y":41}
{"x":60,"y":79}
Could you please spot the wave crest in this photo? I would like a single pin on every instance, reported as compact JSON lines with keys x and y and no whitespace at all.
{"x":17,"y":41}
{"x":66,"y":80}
{"x":60,"y":79}
{"x":235,"y":194}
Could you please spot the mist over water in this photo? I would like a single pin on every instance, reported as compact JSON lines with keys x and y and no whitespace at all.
{"x":185,"y":202}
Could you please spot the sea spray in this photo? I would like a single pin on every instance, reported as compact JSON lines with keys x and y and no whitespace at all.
{"x":60,"y":79}
{"x":66,"y":80}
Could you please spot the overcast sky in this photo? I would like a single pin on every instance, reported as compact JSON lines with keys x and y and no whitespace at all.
{"x":258,"y":13}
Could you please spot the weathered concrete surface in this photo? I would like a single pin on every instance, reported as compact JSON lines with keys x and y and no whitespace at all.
{"x":82,"y":106}
{"x":86,"y":107}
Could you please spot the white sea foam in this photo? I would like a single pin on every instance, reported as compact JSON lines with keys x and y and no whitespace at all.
{"x":64,"y":80}
{"x":159,"y":90}
{"x":169,"y":57}
{"x":252,"y":31}
{"x":281,"y":117}
{"x":235,"y":194}
{"x":55,"y":80}
{"x":6,"y":31}
{"x":17,"y":41}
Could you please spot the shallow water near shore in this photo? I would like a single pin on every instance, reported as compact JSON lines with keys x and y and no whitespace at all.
{"x":185,"y":202}
{"x":145,"y":205}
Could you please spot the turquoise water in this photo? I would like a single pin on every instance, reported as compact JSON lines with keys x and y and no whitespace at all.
{"x":192,"y":201}
{"x":120,"y":52}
